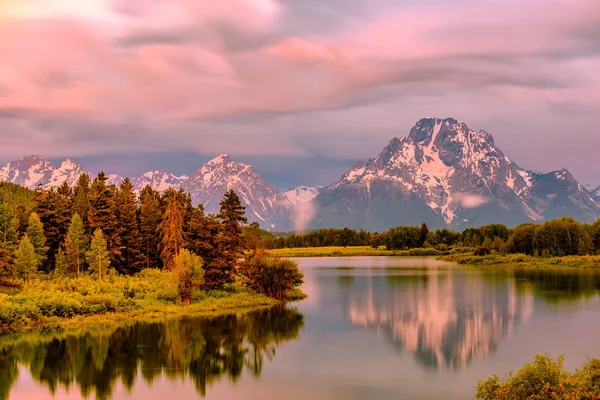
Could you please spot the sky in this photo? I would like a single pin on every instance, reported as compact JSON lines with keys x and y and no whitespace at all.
{"x":301,"y":89}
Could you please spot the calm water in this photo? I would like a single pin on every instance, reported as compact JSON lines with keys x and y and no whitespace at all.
{"x":373,"y":328}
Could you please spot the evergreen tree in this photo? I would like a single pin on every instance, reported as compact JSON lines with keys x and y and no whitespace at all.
{"x":98,"y":257}
{"x":8,"y":227}
{"x":81,"y":197}
{"x":102,"y":214}
{"x":423,"y":234}
{"x":171,"y":229}
{"x":26,"y":260}
{"x":6,"y":268}
{"x":150,"y":218}
{"x":203,"y":238}
{"x":131,"y":260}
{"x":35,"y":232}
{"x":229,"y":243}
{"x":61,"y":267}
{"x":53,"y":211}
{"x":76,"y":243}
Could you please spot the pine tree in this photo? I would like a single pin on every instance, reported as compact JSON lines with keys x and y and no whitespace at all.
{"x":203,"y":239}
{"x":150,"y":218}
{"x":98,"y":257}
{"x":6,"y":268}
{"x":171,"y":229}
{"x":26,"y":260}
{"x":76,"y":243}
{"x":81,"y":197}
{"x":61,"y":267}
{"x":228,"y":243}
{"x":35,"y":232}
{"x":131,"y":260}
{"x":53,"y":211}
{"x":102,"y":214}
{"x":423,"y":234}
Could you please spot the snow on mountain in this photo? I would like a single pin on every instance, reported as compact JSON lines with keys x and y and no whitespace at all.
{"x":443,"y":173}
{"x":35,"y":171}
{"x":264,"y":203}
{"x":159,"y":180}
{"x":302,"y":194}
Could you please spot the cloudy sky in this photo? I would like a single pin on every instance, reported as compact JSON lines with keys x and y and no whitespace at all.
{"x":299,"y":88}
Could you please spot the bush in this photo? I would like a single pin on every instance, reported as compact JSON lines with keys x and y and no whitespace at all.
{"x":482,"y":251}
{"x":271,"y":276}
{"x":544,"y":379}
{"x":188,"y":267}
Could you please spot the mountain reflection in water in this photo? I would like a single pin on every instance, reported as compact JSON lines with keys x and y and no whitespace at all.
{"x":201,"y":349}
{"x":446,"y":319}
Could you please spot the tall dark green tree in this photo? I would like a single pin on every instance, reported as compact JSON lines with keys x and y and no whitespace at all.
{"x":203,"y":238}
{"x":102,"y":214}
{"x":131,"y":260}
{"x":53,"y":211}
{"x":172,"y":238}
{"x":150,"y":217}
{"x":230,"y":243}
{"x":81,"y":197}
{"x":27,"y":261}
{"x":423,"y":234}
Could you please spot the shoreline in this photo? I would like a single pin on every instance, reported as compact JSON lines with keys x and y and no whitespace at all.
{"x":238,"y":303}
{"x":350,"y":251}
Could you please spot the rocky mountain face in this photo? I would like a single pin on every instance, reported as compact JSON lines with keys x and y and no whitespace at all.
{"x":444,"y":174}
{"x":35,"y":171}
{"x":302,"y":194}
{"x":264,"y":203}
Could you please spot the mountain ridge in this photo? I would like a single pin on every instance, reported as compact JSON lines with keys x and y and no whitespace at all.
{"x":442,"y":173}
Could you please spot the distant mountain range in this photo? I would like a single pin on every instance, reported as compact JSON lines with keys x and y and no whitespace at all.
{"x":443,"y":174}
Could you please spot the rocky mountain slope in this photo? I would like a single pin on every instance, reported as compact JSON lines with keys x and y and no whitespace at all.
{"x":442,"y":173}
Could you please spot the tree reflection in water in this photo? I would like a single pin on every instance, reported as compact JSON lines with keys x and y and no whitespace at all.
{"x":201,"y":349}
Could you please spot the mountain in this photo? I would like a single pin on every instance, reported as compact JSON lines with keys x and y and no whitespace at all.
{"x":444,"y":173}
{"x":35,"y":171}
{"x":302,"y":193}
{"x":264,"y":203}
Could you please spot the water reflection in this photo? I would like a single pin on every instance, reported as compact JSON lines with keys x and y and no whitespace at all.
{"x":444,"y":318}
{"x":201,"y":349}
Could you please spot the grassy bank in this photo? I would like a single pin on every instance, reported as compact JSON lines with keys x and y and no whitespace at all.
{"x":350,"y":251}
{"x":523,"y":261}
{"x":152,"y":294}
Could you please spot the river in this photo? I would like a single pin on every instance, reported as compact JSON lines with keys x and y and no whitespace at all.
{"x":372,"y":328}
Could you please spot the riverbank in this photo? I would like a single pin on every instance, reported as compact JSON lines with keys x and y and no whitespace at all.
{"x":350,"y":251}
{"x":522,"y":261}
{"x":65,"y":303}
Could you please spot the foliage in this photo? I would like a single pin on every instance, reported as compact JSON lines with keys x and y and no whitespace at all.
{"x":272,"y":276}
{"x":188,"y":268}
{"x":544,"y":378}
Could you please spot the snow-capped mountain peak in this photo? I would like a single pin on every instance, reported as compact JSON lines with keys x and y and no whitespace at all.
{"x":302,"y":194}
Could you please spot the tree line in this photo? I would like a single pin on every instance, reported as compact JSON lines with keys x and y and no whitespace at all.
{"x":560,"y":237}
{"x":93,"y":227}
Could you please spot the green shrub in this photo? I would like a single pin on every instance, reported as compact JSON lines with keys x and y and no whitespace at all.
{"x":271,"y":276}
{"x":544,"y":379}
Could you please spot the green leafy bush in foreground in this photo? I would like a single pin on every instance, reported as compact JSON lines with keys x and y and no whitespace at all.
{"x":272,"y":276}
{"x":544,"y":379}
